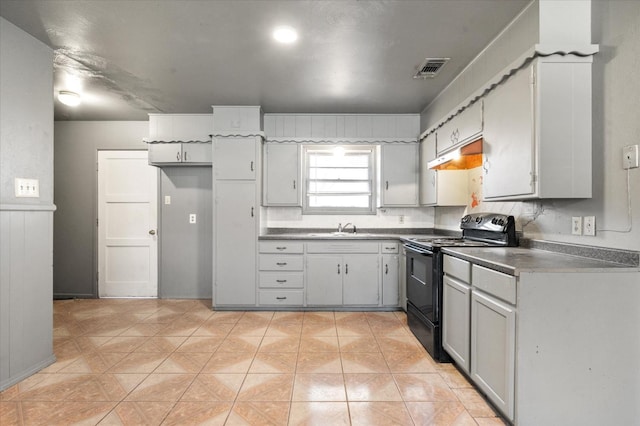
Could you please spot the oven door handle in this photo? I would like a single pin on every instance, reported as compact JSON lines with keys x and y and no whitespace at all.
{"x":415,"y":249}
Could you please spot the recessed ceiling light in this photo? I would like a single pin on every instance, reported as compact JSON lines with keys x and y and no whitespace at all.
{"x":69,"y":98}
{"x":286,"y":35}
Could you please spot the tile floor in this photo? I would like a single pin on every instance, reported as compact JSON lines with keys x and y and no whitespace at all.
{"x":176,"y":362}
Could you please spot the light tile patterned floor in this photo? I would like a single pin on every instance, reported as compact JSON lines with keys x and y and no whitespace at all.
{"x":176,"y":362}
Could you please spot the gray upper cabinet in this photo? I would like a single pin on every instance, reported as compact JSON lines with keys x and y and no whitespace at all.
{"x":399,"y":178}
{"x":461,"y":129}
{"x":537,"y":132}
{"x":281,"y":175}
{"x":238,"y":158}
{"x":180,"y":139}
{"x":187,"y":154}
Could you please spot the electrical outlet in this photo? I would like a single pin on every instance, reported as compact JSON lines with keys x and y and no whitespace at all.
{"x":576,"y":225}
{"x":192,"y":218}
{"x":589,"y":226}
{"x":630,"y":157}
{"x":401,"y":218}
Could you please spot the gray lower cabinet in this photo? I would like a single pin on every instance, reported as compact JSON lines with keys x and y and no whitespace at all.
{"x":360,"y":285}
{"x":281,"y":280}
{"x":493,"y":331}
{"x":324,"y":279}
{"x":342,"y":280}
{"x":456,"y":310}
{"x":456,"y":307}
{"x":328,"y":273}
{"x":390,"y":279}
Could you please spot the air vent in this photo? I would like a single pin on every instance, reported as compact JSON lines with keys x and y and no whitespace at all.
{"x":430,"y":67}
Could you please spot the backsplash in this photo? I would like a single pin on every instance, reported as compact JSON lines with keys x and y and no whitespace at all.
{"x":292,"y":217}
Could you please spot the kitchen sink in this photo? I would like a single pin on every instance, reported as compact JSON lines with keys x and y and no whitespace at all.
{"x":338,"y":234}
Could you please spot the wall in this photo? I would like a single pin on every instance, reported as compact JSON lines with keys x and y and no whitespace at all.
{"x":616,"y":102}
{"x":75,"y":238}
{"x":26,"y":224}
{"x":186,"y":249}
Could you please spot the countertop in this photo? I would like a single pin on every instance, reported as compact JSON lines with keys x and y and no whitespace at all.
{"x":515,"y":260}
{"x":362,"y":234}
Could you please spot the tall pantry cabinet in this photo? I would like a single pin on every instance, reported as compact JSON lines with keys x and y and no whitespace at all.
{"x":237,"y":141}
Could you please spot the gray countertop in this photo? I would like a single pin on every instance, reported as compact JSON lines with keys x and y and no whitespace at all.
{"x":362,"y":234}
{"x":514,"y":260}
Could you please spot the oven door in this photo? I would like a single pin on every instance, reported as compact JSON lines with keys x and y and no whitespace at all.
{"x":420,"y":286}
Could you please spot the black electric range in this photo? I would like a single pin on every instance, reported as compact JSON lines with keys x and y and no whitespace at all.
{"x":424,"y":272}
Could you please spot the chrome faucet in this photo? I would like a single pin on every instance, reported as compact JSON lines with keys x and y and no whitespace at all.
{"x":342,"y":228}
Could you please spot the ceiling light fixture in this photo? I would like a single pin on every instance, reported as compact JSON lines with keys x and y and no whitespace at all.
{"x":285,"y":35}
{"x":71,"y":99}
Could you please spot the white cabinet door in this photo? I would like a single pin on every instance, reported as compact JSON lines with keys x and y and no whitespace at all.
{"x":493,"y":350}
{"x":282,"y":175}
{"x":390,"y":280}
{"x":180,"y":153}
{"x":508,"y":140}
{"x":197,"y":153}
{"x":428,"y":193}
{"x":235,"y":243}
{"x":235,"y":158}
{"x":456,"y":312}
{"x":361,"y":279}
{"x":399,"y":175}
{"x":324,"y":280}
{"x":165,"y":153}
{"x":461,"y":129}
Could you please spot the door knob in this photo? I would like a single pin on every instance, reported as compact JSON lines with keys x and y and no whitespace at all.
{"x":152,"y":232}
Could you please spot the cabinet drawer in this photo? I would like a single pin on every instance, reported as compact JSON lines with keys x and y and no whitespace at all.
{"x":275,"y":262}
{"x":281,"y":280}
{"x":281,"y":297}
{"x":389,"y":248}
{"x":343,"y":247}
{"x":281,"y":247}
{"x":461,"y":269}
{"x":496,"y":283}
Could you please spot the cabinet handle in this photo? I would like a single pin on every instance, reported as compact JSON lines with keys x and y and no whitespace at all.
{"x":386,"y":269}
{"x":252,"y":166}
{"x":294,"y":184}
{"x":485,"y":166}
{"x":338,"y":269}
{"x":281,"y":298}
{"x":185,"y":158}
{"x":386,"y":185}
{"x":346,"y":268}
{"x":178,"y":156}
{"x":251,"y":211}
{"x":281,"y":263}
{"x":281,"y":248}
{"x":281,"y":281}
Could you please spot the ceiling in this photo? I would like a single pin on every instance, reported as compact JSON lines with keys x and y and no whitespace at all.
{"x":131,"y":58}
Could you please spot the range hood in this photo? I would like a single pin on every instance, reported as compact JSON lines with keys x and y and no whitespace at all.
{"x":468,"y":156}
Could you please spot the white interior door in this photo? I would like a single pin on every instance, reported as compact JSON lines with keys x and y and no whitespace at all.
{"x":127,"y":225}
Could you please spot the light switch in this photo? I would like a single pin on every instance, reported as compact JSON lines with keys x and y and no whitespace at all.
{"x":192,"y":218}
{"x":27,"y":188}
{"x":167,"y":199}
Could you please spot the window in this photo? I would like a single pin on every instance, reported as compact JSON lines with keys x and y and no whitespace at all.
{"x":339,"y":179}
